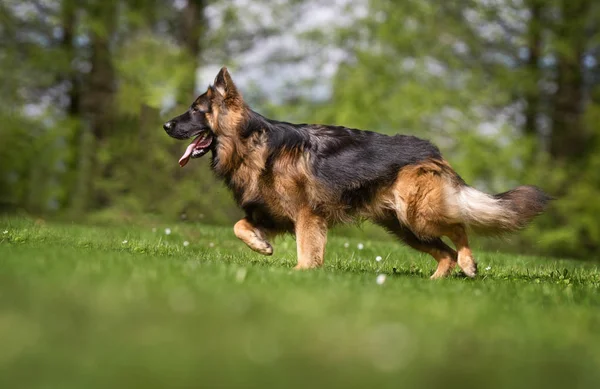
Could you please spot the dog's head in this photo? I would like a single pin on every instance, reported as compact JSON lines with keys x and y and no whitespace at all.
{"x":215,"y":113}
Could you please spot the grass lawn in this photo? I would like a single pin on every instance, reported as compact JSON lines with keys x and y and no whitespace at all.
{"x":126,"y":306}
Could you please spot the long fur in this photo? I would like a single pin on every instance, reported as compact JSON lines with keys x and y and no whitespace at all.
{"x":352,"y":163}
{"x":497,"y":214}
{"x":305,"y":178}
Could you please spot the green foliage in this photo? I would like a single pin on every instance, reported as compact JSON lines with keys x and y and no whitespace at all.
{"x":576,"y":228}
{"x":150,"y":69}
{"x":441,"y":72}
{"x":86,"y":86}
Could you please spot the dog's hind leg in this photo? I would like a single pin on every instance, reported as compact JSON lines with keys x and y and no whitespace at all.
{"x":253,"y":236}
{"x":441,"y":252}
{"x":458,"y":236}
{"x":444,"y":255}
{"x":311,"y":237}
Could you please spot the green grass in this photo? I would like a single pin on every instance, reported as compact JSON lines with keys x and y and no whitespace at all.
{"x":82,"y":308}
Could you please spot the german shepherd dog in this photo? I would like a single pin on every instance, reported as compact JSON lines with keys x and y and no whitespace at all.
{"x":305,"y":178}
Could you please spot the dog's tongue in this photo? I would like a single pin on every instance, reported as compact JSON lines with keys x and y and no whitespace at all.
{"x":187,"y":154}
{"x":201,"y":141}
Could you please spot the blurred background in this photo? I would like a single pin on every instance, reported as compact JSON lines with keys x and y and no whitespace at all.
{"x":509,"y":90}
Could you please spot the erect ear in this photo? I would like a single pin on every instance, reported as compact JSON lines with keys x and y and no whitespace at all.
{"x":224,"y":84}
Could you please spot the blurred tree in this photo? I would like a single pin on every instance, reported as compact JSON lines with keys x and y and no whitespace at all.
{"x":72,"y":79}
{"x":570,"y":141}
{"x":508,"y":89}
{"x":534,"y":50}
{"x":97,"y":101}
{"x":508,"y":79}
{"x":191,"y":35}
{"x":30,"y":155}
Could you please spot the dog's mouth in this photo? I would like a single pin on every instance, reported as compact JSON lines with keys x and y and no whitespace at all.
{"x":199,"y":146}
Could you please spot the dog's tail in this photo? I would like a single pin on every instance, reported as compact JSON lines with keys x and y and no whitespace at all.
{"x":497,"y":214}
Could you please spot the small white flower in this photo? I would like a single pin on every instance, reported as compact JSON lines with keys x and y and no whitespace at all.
{"x":240,"y":274}
{"x":211,"y":244}
{"x":378,"y":258}
{"x":488,"y":268}
{"x":361,"y":246}
{"x":167,"y":231}
{"x":5,"y":232}
{"x":153,"y":229}
{"x":380,"y":279}
{"x":125,"y":241}
{"x":346,"y":245}
{"x":186,"y":243}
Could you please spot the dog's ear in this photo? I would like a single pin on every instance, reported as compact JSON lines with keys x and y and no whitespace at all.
{"x":210,"y":93}
{"x":224,"y":84}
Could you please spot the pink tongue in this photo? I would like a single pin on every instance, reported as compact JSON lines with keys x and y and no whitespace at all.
{"x":188,"y":153}
{"x":201,"y":141}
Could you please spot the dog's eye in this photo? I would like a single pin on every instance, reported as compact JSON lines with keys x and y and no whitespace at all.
{"x":197,"y":110}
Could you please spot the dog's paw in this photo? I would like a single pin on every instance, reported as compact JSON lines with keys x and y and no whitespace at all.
{"x":444,"y":269}
{"x":308,"y":265}
{"x":262,"y":247}
{"x":302,"y":266}
{"x":267,"y":249}
{"x":438,"y":275}
{"x":469,"y":269}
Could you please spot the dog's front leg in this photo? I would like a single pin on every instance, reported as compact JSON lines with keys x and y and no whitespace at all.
{"x":311,"y":237}
{"x":253,"y":236}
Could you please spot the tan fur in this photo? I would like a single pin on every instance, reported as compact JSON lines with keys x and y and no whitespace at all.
{"x":311,"y":237}
{"x":417,"y":198}
{"x":446,"y":264}
{"x":423,"y":204}
{"x":458,"y":236}
{"x":287,"y":196}
{"x":247,"y":173}
{"x":415,"y":207}
{"x":254,"y":237}
{"x":231,"y":150}
{"x":420,"y":198}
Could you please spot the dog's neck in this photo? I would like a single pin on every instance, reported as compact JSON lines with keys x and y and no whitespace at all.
{"x":240,"y":144}
{"x":240,"y":162}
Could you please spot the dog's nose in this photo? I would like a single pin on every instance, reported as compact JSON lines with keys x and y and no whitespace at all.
{"x":167,"y":126}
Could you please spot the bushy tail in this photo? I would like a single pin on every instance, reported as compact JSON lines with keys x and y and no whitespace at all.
{"x":501,"y":213}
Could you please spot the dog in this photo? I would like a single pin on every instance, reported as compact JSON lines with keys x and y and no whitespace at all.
{"x":305,"y":178}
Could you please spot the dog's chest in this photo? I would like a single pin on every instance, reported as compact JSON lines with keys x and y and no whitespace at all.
{"x":278,"y":182}
{"x":246,"y":185}
{"x":275,"y":192}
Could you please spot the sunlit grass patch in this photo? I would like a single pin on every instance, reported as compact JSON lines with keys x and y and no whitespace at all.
{"x":85,"y":306}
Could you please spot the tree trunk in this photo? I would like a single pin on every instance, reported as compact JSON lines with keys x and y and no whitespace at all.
{"x":69,"y":25}
{"x":97,"y":104}
{"x":569,"y":142}
{"x":192,"y":30}
{"x":534,"y":44}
